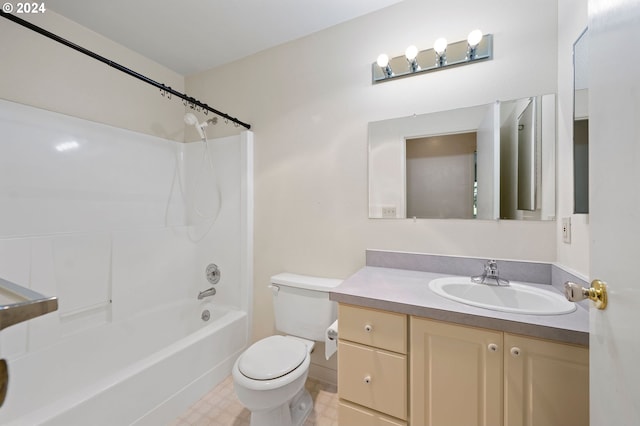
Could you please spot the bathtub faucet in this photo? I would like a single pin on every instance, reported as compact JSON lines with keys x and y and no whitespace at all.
{"x":490,"y":273}
{"x":206,"y":293}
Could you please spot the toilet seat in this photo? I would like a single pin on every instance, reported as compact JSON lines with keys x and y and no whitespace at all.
{"x":272,"y":357}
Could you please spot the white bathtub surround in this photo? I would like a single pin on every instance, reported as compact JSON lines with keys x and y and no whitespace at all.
{"x":103,"y":218}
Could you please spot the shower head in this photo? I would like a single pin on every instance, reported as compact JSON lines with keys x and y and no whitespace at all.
{"x":191,"y":120}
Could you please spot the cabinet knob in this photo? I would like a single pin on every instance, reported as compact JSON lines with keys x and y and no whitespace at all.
{"x":492,"y":347}
{"x":367,"y":379}
{"x":515,"y":351}
{"x":368,"y":328}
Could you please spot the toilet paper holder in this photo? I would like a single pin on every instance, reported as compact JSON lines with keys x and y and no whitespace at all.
{"x":331,"y":340}
{"x":332,"y":334}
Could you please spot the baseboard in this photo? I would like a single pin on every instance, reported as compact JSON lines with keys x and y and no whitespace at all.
{"x":323,"y":374}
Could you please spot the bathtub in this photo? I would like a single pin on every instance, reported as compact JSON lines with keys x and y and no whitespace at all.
{"x":145,"y":370}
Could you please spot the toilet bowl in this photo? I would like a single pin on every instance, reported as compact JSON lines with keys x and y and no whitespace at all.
{"x":269,"y":380}
{"x":269,"y":376}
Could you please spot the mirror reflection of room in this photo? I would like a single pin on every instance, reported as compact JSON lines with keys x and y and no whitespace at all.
{"x":581,"y":125}
{"x":493,"y":161}
{"x":442,"y":168}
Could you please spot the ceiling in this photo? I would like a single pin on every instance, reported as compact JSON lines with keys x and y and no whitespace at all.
{"x":189,"y":36}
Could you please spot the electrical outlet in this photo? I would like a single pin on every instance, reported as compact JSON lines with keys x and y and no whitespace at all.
{"x":389,"y":211}
{"x":566,"y":230}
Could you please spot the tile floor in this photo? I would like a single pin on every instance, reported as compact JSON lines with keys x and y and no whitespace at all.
{"x":220,"y":407}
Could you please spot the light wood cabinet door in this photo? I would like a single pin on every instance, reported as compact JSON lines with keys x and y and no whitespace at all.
{"x":456,"y":374}
{"x":373,"y":378}
{"x":546,"y":383}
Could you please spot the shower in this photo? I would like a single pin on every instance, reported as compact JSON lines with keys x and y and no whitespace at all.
{"x":195,"y":199}
{"x":191,"y":120}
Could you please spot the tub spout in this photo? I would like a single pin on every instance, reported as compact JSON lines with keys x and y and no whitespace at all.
{"x":206,"y":293}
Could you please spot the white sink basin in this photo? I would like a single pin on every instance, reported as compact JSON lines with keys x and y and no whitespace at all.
{"x":516,"y":297}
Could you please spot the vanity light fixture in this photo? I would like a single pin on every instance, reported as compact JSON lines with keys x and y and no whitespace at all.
{"x":440,"y":46}
{"x":473,"y":39}
{"x":411,"y":53}
{"x":383,"y":63}
{"x":477,"y":47}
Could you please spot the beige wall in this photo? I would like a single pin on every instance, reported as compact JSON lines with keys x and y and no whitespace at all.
{"x":39,"y":72}
{"x":572,"y":19}
{"x":309,"y":102}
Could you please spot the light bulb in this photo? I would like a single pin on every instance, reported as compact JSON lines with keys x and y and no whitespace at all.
{"x":383,"y":60}
{"x":440,"y":45}
{"x":411,"y":52}
{"x":474,"y":38}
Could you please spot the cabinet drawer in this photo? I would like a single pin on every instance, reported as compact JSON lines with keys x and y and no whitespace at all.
{"x":385,"y":330}
{"x":351,"y":414}
{"x":374,"y":378}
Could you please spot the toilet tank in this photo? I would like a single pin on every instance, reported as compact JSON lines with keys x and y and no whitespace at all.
{"x":301,"y":304}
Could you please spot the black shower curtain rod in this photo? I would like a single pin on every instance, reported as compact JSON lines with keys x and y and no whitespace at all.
{"x":166,"y":89}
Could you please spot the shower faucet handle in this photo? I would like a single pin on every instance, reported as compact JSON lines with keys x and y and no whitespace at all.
{"x":213,"y":273}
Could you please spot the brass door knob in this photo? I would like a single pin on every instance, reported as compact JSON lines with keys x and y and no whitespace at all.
{"x":597,"y":293}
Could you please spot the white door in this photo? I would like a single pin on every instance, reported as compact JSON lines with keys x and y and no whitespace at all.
{"x":614,"y":104}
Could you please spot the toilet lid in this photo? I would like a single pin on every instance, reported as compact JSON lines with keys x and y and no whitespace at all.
{"x":272,"y":357}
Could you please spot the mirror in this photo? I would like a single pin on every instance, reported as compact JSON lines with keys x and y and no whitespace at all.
{"x":580,"y":125}
{"x":494,"y":161}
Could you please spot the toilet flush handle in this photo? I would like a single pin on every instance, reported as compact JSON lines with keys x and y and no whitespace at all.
{"x":274,"y":288}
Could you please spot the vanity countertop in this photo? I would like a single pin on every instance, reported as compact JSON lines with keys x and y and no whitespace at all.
{"x":407,"y":292}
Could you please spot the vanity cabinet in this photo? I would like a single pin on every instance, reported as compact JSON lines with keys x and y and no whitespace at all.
{"x":372,"y":367}
{"x":462,"y":375}
{"x":395,"y":369}
{"x":455,"y":374}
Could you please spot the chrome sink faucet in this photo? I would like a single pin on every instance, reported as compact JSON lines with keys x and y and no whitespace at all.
{"x":206,"y":293}
{"x":490,"y":273}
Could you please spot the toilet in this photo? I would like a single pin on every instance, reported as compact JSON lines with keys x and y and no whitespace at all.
{"x":269,"y":376}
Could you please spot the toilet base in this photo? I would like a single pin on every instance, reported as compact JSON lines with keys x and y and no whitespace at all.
{"x":291,"y":414}
{"x":301,"y":405}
